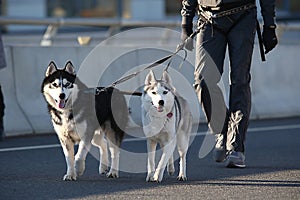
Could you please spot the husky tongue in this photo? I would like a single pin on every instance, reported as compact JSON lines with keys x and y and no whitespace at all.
{"x":160,"y":108}
{"x":61,"y":103}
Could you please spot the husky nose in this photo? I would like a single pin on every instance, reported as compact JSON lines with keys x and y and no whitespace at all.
{"x":161,"y":102}
{"x":62,"y":96}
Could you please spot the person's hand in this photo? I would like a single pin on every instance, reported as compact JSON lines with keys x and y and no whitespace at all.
{"x":269,"y":38}
{"x":187,"y":42}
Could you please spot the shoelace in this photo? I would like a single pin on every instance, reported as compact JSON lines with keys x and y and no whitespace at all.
{"x":220,"y":140}
{"x":233,"y":124}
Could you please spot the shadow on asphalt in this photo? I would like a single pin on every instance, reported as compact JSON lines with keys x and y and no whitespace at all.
{"x":272,"y":161}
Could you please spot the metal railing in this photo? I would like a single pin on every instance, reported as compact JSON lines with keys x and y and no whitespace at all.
{"x":84,"y":22}
{"x":53,"y":24}
{"x":114,"y":25}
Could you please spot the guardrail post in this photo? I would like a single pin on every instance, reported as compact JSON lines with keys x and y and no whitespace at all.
{"x":50,"y":32}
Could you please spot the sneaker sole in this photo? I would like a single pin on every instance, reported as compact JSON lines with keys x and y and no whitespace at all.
{"x":234,"y":165}
{"x":219,"y":155}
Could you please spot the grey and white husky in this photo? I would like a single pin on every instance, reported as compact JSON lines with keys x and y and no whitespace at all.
{"x":167,"y":121}
{"x":82,"y":117}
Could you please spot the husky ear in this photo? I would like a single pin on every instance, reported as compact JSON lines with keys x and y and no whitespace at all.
{"x":166,"y":78}
{"x":150,"y":78}
{"x":51,"y":68}
{"x":69,"y":68}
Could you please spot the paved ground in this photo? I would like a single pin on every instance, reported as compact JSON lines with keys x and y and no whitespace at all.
{"x":35,"y":170}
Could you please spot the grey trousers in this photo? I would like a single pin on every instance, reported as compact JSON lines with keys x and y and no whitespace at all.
{"x":2,"y":65}
{"x":235,"y":32}
{"x":2,"y":106}
{"x":2,"y":54}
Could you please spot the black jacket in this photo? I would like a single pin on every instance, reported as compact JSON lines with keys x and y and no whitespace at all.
{"x":189,"y":8}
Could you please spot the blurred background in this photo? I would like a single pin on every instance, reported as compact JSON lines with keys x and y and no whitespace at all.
{"x":35,"y":32}
{"x":55,"y":18}
{"x":128,"y":9}
{"x":149,"y":10}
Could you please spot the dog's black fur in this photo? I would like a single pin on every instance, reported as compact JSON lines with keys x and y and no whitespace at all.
{"x":111,"y":105}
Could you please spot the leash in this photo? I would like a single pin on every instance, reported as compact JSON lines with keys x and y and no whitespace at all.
{"x":234,"y":10}
{"x":169,"y":63}
{"x":180,"y":47}
{"x":260,"y":42}
{"x":97,"y":91}
{"x":158,"y":62}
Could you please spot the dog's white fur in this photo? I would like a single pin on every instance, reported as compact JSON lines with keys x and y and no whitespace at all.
{"x":82,"y":127}
{"x":166,"y":120}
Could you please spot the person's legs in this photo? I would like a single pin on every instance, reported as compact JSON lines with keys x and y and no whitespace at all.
{"x":210,"y":54}
{"x":240,"y":45}
{"x":2,"y":106}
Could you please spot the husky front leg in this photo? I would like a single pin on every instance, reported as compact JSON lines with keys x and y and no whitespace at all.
{"x":182,"y":145}
{"x":68,"y":149}
{"x":101,"y":143}
{"x":168,"y":149}
{"x":86,"y":135}
{"x":170,"y":166}
{"x":115,"y":157}
{"x":81,"y":154}
{"x":182,"y":166}
{"x":151,"y":147}
{"x":114,"y":139}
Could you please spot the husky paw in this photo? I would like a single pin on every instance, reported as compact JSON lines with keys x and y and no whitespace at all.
{"x":112,"y":175}
{"x":79,"y":167}
{"x":155,"y":181}
{"x":68,"y":177}
{"x":103,"y":169}
{"x":157,"y":178}
{"x":181,"y":178}
{"x":149,"y":179}
{"x":171,"y":172}
{"x":171,"y":169}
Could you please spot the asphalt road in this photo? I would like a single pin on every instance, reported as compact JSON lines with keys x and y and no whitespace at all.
{"x":32,"y":167}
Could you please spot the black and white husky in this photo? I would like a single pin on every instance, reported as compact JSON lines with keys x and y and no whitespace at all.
{"x":84,"y":117}
{"x":166,"y":120}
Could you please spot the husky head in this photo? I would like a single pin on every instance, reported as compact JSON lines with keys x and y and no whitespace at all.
{"x":58,"y":85}
{"x":158,"y":94}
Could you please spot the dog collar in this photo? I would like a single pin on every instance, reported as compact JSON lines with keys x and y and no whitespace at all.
{"x":170,"y":114}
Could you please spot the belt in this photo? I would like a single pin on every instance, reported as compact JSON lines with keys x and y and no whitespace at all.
{"x":208,"y":17}
{"x":216,"y":14}
{"x":227,"y":6}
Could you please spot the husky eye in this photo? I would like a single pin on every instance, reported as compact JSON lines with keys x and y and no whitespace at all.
{"x":165,"y":92}
{"x":54,"y":85}
{"x":154,"y":92}
{"x":68,"y":84}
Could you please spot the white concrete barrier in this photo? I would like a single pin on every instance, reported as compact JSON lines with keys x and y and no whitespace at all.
{"x":274,"y":83}
{"x":26,"y":111}
{"x":15,"y":120}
